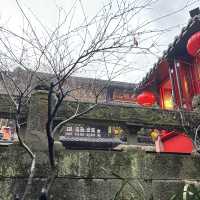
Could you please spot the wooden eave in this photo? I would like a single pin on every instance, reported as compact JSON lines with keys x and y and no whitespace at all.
{"x":176,"y":50}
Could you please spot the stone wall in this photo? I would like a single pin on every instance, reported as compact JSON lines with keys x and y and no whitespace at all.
{"x":92,"y":175}
{"x":99,"y":175}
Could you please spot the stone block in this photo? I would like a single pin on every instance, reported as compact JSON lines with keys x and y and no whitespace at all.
{"x":165,"y":189}
{"x":100,"y":164}
{"x":171,"y":166}
{"x":74,"y":189}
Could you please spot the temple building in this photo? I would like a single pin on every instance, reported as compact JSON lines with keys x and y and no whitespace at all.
{"x":113,"y":92}
{"x":175,"y":80}
{"x":172,"y":84}
{"x":85,"y":90}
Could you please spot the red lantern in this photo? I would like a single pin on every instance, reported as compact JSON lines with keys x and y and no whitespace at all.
{"x":193,"y":44}
{"x":146,"y":99}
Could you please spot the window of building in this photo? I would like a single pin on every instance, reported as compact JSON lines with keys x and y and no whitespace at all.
{"x":98,"y":133}
{"x":123,"y":95}
{"x":166,"y":95}
{"x":93,"y":132}
{"x":167,"y":99}
{"x":81,"y":130}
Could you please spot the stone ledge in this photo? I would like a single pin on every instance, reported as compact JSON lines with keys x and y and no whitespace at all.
{"x":165,"y":189}
{"x":135,"y":162}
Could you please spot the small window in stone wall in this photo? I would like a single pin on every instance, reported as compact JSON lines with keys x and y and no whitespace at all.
{"x":98,"y":133}
{"x":79,"y":130}
{"x":92,"y":131}
{"x":82,"y":131}
{"x":68,"y":131}
{"x":88,"y":131}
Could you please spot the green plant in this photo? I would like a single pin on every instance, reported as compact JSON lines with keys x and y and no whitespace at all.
{"x":190,"y":192}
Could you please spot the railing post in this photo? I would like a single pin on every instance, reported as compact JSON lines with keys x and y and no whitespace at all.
{"x":37,"y":118}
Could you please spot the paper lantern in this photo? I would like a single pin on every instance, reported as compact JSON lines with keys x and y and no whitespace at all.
{"x":193,"y":44}
{"x":146,"y":99}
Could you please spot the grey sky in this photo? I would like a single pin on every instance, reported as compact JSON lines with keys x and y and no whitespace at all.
{"x":46,"y":11}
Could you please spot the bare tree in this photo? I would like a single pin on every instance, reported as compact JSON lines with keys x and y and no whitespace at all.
{"x":104,"y":40}
{"x":19,"y":64}
{"x":18,"y":86}
{"x":100,"y":43}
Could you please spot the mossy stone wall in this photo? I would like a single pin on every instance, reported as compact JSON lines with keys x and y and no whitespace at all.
{"x":99,"y":175}
{"x":92,"y":175}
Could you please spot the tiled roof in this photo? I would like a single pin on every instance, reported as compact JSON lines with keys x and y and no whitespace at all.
{"x":90,"y":142}
{"x":175,"y":50}
{"x":43,"y":79}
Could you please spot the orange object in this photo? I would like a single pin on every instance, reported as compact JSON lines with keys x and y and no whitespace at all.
{"x":6,"y":133}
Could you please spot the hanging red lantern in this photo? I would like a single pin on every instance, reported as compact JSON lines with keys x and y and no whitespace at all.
{"x":146,"y":98}
{"x":193,"y":44}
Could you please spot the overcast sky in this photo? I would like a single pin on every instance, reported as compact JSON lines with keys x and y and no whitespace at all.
{"x":46,"y":11}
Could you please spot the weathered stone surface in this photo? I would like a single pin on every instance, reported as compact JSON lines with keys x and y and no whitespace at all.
{"x":37,"y":111}
{"x":100,"y":164}
{"x":124,"y":114}
{"x":15,"y":162}
{"x":164,"y":190}
{"x":131,"y":115}
{"x":35,"y":134}
{"x":108,"y":114}
{"x":99,"y":175}
{"x":7,"y":108}
{"x":171,"y":166}
{"x":134,"y":163}
{"x":76,"y":189}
